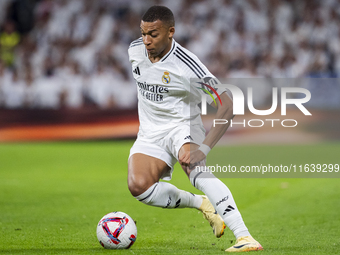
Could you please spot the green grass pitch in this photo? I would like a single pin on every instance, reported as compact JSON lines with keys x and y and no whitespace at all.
{"x":52,"y":196}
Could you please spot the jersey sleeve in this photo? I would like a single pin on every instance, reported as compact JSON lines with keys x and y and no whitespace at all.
{"x":134,"y":49}
{"x":199,"y":79}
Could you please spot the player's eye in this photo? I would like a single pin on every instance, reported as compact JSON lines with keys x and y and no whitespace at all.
{"x":154,"y":35}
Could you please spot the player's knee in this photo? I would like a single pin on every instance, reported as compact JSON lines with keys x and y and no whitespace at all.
{"x":138,"y":186}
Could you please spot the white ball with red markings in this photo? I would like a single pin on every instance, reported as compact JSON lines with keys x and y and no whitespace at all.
{"x":116,"y":230}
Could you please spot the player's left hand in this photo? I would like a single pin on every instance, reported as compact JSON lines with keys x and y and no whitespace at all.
{"x":191,"y":158}
{"x":196,"y":157}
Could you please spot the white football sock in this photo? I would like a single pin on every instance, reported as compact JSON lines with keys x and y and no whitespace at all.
{"x":222,"y":200}
{"x":166,"y":195}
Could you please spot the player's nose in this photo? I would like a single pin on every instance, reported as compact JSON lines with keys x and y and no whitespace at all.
{"x":147,"y":40}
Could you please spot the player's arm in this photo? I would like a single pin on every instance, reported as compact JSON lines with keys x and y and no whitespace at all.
{"x":224,"y":111}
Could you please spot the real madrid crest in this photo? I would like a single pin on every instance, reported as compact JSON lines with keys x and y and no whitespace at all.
{"x":166,"y":78}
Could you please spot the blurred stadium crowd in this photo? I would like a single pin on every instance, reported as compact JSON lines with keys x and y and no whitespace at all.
{"x":73,"y":53}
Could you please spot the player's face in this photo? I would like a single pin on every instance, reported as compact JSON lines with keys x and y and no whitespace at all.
{"x":157,"y":38}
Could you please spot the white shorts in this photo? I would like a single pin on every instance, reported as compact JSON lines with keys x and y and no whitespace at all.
{"x":167,"y":148}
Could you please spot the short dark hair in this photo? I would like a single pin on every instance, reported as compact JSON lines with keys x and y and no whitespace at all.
{"x":161,"y":13}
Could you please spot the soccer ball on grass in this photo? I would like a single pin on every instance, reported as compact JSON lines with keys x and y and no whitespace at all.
{"x":116,"y":230}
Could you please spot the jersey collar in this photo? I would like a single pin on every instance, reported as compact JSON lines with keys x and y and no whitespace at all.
{"x":170,"y":51}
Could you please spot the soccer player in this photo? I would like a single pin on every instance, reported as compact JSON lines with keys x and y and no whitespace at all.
{"x":171,"y":131}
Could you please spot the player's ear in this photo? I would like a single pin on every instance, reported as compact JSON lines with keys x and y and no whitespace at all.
{"x":171,"y":31}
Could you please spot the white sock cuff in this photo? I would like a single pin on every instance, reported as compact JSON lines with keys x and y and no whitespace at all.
{"x":199,"y":173}
{"x":145,"y":197}
{"x":193,"y":176}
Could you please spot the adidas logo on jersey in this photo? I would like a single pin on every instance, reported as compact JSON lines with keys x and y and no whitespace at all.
{"x":136,"y":71}
{"x":229,"y":209}
{"x":188,"y":137}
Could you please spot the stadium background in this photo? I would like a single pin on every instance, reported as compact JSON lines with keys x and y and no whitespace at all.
{"x":65,"y":74}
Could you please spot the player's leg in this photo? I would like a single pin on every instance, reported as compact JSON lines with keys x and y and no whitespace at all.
{"x":208,"y":210}
{"x":223,"y":201}
{"x":144,"y":173}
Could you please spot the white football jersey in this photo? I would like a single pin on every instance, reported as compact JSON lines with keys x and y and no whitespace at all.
{"x":166,"y":98}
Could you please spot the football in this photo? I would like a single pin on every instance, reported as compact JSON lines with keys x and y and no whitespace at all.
{"x":116,"y":230}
